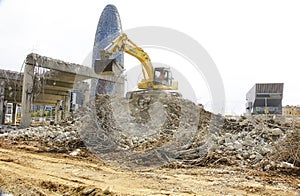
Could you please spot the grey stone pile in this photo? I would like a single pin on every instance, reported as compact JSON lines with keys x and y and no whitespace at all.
{"x":184,"y":132}
{"x":157,"y":129}
{"x":51,"y":138}
{"x":143,"y":122}
{"x":245,"y":142}
{"x":145,"y":130}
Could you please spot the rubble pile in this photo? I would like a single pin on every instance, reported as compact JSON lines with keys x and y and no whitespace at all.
{"x":257,"y":142}
{"x":158,"y":129}
{"x":47,"y":138}
{"x":145,"y":130}
{"x":141,"y":123}
{"x":193,"y":135}
{"x":243,"y":142}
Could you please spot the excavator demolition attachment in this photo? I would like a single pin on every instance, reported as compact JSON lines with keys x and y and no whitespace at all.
{"x":104,"y":67}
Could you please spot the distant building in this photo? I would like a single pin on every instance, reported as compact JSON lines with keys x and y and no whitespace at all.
{"x":77,"y":99}
{"x":109,"y":27}
{"x":79,"y":95}
{"x":265,"y":98}
{"x":8,"y":113}
{"x":291,"y":110}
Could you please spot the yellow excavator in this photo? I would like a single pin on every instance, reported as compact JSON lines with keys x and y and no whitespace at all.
{"x":156,"y":79}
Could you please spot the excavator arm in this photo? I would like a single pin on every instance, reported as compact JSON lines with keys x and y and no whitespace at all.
{"x":151,"y":76}
{"x":123,"y":44}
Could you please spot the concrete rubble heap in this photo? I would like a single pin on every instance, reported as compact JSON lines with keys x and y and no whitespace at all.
{"x":143,"y":131}
{"x":175,"y":128}
{"x":216,"y":140}
{"x":48,"y":138}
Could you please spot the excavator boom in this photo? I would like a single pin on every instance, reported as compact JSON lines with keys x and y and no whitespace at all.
{"x":150,"y":80}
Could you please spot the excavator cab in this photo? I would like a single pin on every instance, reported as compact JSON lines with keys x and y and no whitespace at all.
{"x":162,"y":76}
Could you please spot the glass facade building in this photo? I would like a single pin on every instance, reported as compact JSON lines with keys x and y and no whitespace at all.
{"x":109,"y":27}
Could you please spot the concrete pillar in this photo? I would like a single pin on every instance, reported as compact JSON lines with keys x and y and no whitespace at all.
{"x":58,"y":111}
{"x":14,"y":114}
{"x":86,"y":96}
{"x":67,"y":106}
{"x":27,"y":95}
{"x":2,"y":90}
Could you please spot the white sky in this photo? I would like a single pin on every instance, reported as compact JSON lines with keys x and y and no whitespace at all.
{"x":250,"y":41}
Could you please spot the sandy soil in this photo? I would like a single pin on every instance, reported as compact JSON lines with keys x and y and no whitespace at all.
{"x":23,"y":171}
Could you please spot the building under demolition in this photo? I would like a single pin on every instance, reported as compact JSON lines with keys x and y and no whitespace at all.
{"x":265,"y":98}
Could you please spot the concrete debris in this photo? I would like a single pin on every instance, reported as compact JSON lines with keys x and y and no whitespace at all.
{"x":48,"y":138}
{"x":141,"y":125}
{"x":153,"y":131}
{"x":276,"y":132}
{"x":75,"y":152}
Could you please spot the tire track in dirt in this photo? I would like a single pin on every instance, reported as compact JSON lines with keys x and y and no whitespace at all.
{"x":67,"y":173}
{"x":31,"y":173}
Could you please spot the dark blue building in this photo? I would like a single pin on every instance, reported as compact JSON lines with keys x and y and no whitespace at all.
{"x":109,"y":27}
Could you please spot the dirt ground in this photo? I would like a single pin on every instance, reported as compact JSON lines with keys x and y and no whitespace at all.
{"x":24,"y":171}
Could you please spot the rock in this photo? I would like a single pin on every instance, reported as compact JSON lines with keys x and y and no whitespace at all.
{"x":228,"y":140}
{"x":246,"y":155}
{"x":238,"y":156}
{"x":248,"y":143}
{"x":221,"y":141}
{"x":286,"y":165}
{"x":264,"y":150}
{"x":227,"y":135}
{"x":243,"y":123}
{"x":229,"y":147}
{"x":234,"y":137}
{"x":75,"y":171}
{"x":87,"y":191}
{"x":276,"y":132}
{"x":237,"y":146}
{"x":258,"y":157}
{"x":219,"y":151}
{"x":107,"y":191}
{"x":213,"y":137}
{"x":248,"y":137}
{"x":212,"y":146}
{"x":267,"y":167}
{"x":75,"y":152}
{"x":227,"y":144}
